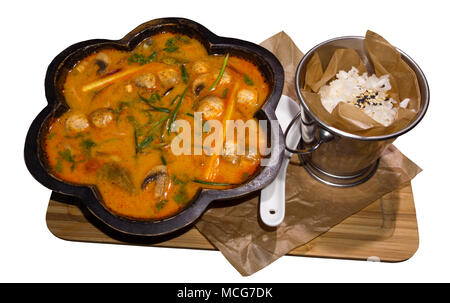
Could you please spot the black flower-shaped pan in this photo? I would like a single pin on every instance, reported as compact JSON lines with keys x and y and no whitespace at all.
{"x":37,"y":163}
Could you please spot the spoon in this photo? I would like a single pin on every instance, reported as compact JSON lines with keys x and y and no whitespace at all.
{"x":272,"y":199}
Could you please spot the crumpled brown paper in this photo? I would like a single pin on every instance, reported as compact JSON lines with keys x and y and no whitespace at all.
{"x":312,"y":208}
{"x":385,"y":59}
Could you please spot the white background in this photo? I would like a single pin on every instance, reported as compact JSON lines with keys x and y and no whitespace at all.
{"x":33,"y":32}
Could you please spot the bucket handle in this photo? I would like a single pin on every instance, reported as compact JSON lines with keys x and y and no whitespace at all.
{"x":322,"y":136}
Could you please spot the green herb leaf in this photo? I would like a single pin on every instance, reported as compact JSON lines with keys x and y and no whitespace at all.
{"x":58,"y":166}
{"x":189,"y":114}
{"x":174,"y":99}
{"x":67,"y":155}
{"x":222,"y":70}
{"x":159,"y":109}
{"x":177,"y":107}
{"x":160,"y":205}
{"x":120,"y":109}
{"x":154,"y":96}
{"x":163,"y":128}
{"x":225,"y":93}
{"x":152,"y":57}
{"x":150,"y":118}
{"x":184,"y":74}
{"x":122,"y":105}
{"x":86,"y":145}
{"x":181,"y":198}
{"x":145,"y":142}
{"x":136,"y":145}
{"x":171,"y":49}
{"x":163,"y":160}
{"x":171,"y":45}
{"x":247,"y":80}
{"x":171,"y":42}
{"x":80,"y":135}
{"x":145,"y":100}
{"x":141,"y":59}
{"x":183,"y":39}
{"x":212,"y":183}
{"x":244,"y":176}
{"x":133,"y":121}
{"x":135,"y":58}
{"x":178,"y":181}
{"x":158,"y":122}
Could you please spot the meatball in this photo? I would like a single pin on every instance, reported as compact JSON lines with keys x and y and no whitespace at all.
{"x":211,"y":107}
{"x":147,"y":80}
{"x":169,"y":77}
{"x":200,"y":67}
{"x":77,"y":123}
{"x":102,"y":61}
{"x":236,"y":152}
{"x":226,"y":78}
{"x":101,"y":117}
{"x":247,"y":101}
{"x":246,"y":96}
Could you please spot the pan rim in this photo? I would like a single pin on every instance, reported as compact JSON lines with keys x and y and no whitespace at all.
{"x":191,"y":213}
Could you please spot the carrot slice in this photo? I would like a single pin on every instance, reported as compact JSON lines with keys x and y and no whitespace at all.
{"x":106,"y":80}
{"x":215,"y":160}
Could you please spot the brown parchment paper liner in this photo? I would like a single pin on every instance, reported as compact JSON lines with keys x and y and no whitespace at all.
{"x":312,"y":208}
{"x":385,"y":60}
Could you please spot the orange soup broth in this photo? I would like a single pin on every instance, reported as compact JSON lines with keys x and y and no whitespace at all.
{"x":77,"y":157}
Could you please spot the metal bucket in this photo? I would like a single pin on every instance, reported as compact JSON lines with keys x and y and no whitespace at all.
{"x":333,"y":156}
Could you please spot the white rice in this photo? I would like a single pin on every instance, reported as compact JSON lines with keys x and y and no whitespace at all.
{"x":369,"y":94}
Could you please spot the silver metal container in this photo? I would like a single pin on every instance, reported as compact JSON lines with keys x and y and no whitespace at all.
{"x":333,"y":156}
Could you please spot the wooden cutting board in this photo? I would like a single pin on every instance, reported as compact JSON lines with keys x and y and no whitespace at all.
{"x":386,"y":230}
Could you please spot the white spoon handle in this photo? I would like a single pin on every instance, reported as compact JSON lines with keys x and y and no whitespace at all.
{"x":272,"y":199}
{"x":272,"y":205}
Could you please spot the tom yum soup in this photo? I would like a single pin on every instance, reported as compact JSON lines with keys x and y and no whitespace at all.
{"x":151,"y":127}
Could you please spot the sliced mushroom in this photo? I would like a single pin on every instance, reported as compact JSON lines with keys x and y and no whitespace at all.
{"x":199,"y":84}
{"x":211,"y":107}
{"x":102,"y":61}
{"x":198,"y":88}
{"x":77,"y":123}
{"x":101,"y":117}
{"x":169,"y":77}
{"x":148,"y":42}
{"x":147,"y":80}
{"x":167,"y":91}
{"x":160,"y":175}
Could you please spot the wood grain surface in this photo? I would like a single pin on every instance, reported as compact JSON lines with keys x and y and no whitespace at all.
{"x":386,"y":230}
